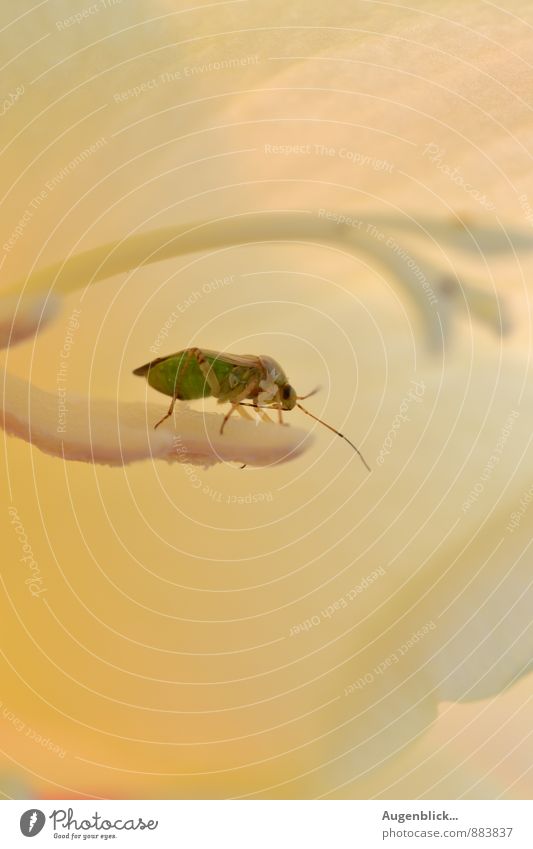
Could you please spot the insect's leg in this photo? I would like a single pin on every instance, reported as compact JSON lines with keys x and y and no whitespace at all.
{"x":236,"y":402}
{"x":207,"y":371}
{"x":261,"y":413}
{"x":175,"y":395}
{"x":188,"y":361}
{"x":280,"y":414}
{"x":169,"y":413}
{"x":226,"y":417}
{"x":244,"y":413}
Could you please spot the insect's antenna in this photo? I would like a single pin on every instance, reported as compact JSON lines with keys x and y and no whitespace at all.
{"x":337,"y":432}
{"x":313,"y":392}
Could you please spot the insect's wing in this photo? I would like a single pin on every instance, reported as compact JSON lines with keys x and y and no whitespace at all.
{"x":143,"y":370}
{"x":246,"y":360}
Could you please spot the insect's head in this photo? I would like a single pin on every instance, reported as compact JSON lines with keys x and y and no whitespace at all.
{"x":288,"y":397}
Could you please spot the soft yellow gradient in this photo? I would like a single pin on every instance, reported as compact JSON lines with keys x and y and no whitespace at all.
{"x":160,"y":658}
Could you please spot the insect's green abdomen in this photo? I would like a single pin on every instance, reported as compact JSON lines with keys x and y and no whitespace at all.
{"x":183,"y":372}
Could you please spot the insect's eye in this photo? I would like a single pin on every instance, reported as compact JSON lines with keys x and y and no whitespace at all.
{"x":286,"y":392}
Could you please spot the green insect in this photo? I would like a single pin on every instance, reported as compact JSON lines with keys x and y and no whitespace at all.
{"x":198,"y":373}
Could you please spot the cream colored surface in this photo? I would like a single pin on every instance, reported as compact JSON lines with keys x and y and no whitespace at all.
{"x":165,"y":654}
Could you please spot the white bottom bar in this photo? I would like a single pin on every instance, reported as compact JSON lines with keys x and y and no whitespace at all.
{"x":268,"y":824}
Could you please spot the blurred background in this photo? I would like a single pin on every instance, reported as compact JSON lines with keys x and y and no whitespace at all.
{"x":302,"y":630}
